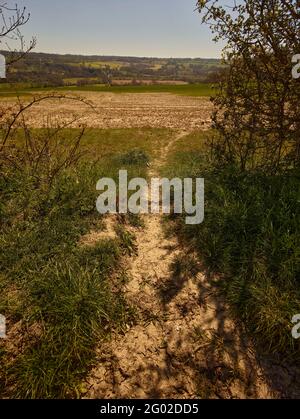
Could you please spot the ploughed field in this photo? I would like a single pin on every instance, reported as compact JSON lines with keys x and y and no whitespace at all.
{"x":155,"y":110}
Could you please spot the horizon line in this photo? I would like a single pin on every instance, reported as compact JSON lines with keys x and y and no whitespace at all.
{"x":120,"y":56}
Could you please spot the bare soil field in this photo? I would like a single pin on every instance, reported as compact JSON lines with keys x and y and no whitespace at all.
{"x":155,"y":110}
{"x":119,"y":82}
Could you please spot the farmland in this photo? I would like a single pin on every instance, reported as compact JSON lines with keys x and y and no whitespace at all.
{"x":200,"y":90}
{"x":149,"y":211}
{"x":149,"y":134}
{"x":128,"y":110}
{"x":40,"y":70}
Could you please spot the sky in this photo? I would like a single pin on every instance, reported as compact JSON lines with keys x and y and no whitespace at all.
{"x":152,"y":28}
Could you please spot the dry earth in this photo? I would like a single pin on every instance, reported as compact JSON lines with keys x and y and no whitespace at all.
{"x":156,"y":110}
{"x":185,"y":344}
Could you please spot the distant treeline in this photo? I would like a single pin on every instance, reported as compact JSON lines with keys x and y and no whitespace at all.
{"x":42,"y":69}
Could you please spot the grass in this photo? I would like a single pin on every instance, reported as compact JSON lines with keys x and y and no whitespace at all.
{"x":201,"y":89}
{"x":99,"y":64}
{"x":249,"y":242}
{"x":75,"y":80}
{"x":116,"y":142}
{"x":62,"y":299}
{"x":198,"y":90}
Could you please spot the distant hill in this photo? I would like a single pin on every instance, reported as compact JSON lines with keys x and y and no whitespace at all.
{"x":40,"y":69}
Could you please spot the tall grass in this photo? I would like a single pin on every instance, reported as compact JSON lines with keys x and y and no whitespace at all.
{"x":250,"y":242}
{"x":61,"y":298}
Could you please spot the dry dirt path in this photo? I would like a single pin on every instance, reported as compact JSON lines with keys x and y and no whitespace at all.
{"x":185,"y":345}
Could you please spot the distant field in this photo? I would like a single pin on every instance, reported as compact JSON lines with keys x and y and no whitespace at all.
{"x":200,"y":89}
{"x":98,"y":64}
{"x":74,"y":80}
{"x":38,"y":69}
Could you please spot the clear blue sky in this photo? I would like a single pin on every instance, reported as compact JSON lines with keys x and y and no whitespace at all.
{"x":160,"y":28}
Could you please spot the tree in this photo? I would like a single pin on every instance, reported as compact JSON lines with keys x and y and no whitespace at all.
{"x":106,"y":74}
{"x":257,"y":112}
{"x":13,"y":19}
{"x":42,"y":156}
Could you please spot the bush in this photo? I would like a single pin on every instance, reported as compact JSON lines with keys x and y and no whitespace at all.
{"x":60,"y":294}
{"x":250,"y":239}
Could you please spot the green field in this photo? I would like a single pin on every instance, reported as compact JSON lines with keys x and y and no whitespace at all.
{"x":200,"y":89}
